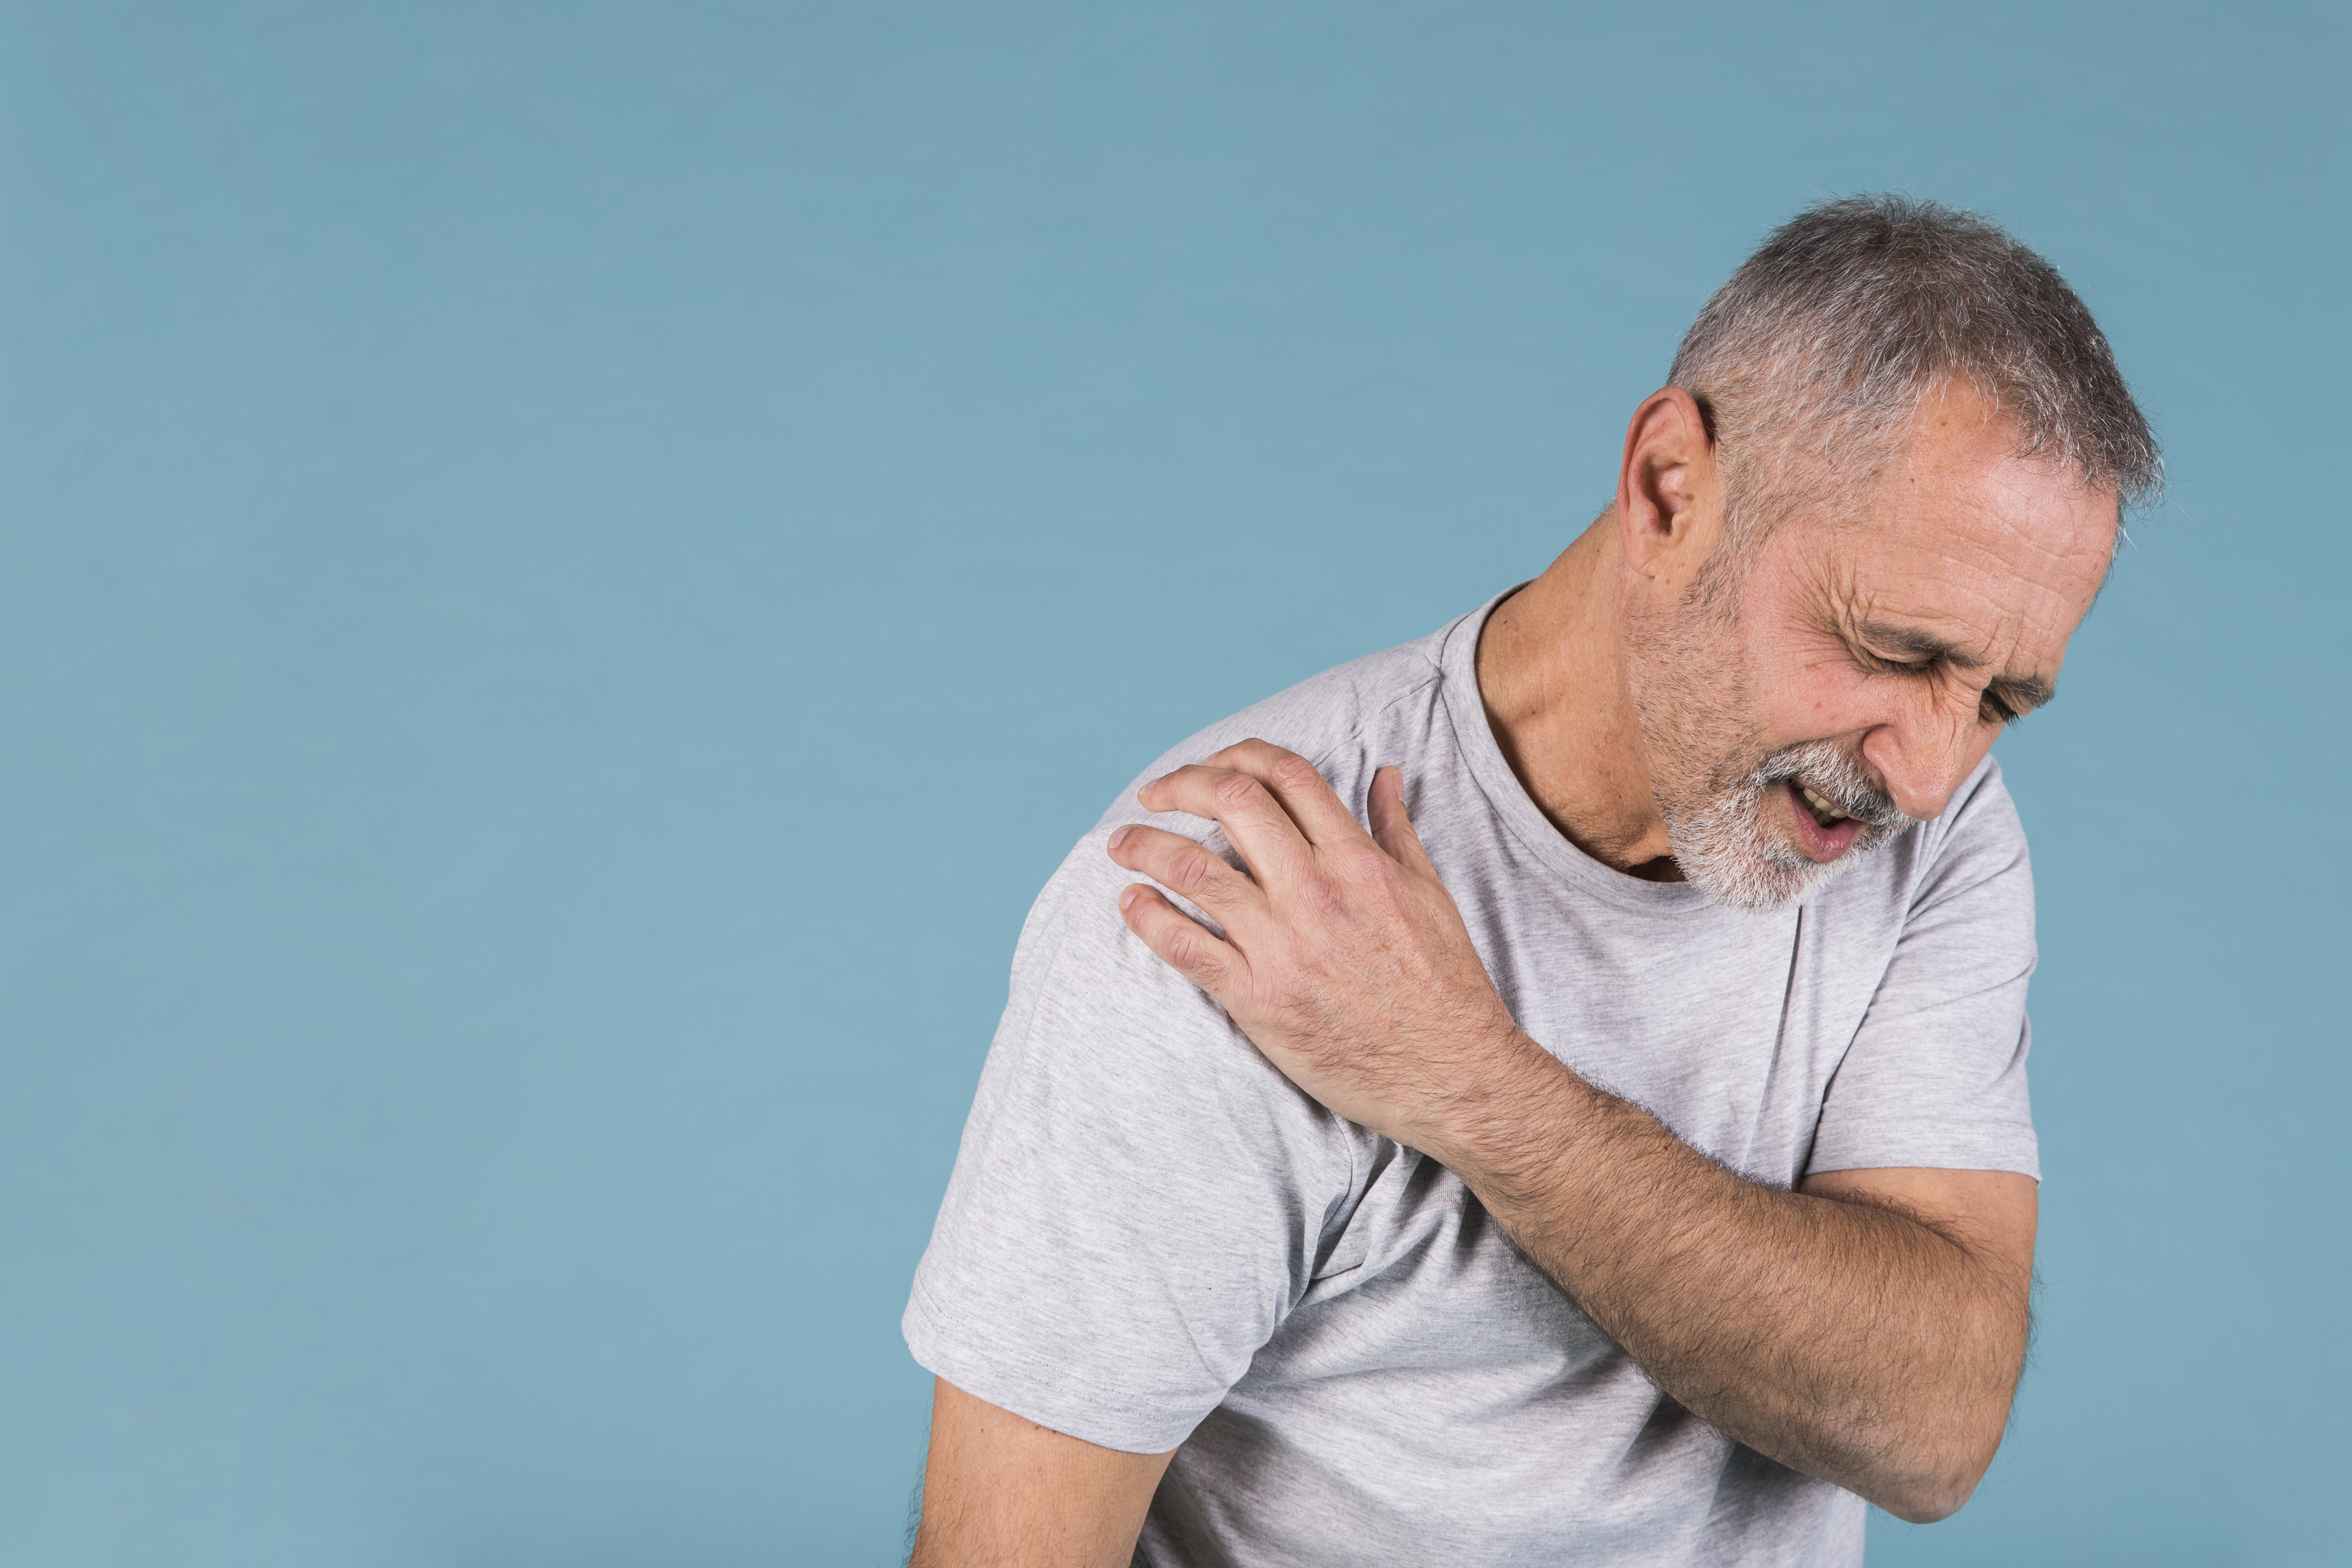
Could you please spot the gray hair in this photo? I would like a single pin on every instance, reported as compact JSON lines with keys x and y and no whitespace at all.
{"x":1810,"y":362}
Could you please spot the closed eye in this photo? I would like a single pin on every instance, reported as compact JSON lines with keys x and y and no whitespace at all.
{"x":2005,"y":700}
{"x":1880,"y":664}
{"x":2009,"y":698}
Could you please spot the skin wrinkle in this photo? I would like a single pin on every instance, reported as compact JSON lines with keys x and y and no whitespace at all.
{"x":2020,"y":694}
{"x":2006,"y":494}
{"x":1713,"y":777}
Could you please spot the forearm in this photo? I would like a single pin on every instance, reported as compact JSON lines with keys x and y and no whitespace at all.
{"x":1850,"y":1340}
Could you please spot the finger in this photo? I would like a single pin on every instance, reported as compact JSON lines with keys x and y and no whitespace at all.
{"x":1308,"y":798}
{"x":1183,"y":943}
{"x":1391,"y":825}
{"x":1253,"y":821}
{"x":1187,"y":868}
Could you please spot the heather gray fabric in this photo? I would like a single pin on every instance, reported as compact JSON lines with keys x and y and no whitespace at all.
{"x":1153,"y":1239}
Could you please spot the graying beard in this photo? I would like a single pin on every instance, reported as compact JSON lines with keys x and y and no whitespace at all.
{"x":1718,"y":840}
{"x":1723,"y":850}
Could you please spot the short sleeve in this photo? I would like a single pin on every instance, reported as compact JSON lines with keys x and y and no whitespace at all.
{"x":1935,"y":1075}
{"x":1139,"y":1197}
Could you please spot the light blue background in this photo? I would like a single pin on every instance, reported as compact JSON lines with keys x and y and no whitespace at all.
{"x":567,"y":570}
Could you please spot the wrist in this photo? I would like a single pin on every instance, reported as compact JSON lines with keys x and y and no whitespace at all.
{"x":1504,"y":1127}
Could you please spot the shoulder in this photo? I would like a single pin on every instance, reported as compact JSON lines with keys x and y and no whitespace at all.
{"x":1095,"y":1017}
{"x":1335,"y":720}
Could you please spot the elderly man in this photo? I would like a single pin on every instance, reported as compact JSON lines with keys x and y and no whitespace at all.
{"x":1557,"y":1092}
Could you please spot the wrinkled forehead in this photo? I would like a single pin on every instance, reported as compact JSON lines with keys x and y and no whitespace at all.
{"x":1962,"y":531}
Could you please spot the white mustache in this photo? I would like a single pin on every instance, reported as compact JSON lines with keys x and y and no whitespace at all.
{"x":1837,"y":778}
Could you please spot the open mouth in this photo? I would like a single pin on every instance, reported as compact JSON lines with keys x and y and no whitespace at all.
{"x":1825,"y":814}
{"x":1823,"y":831}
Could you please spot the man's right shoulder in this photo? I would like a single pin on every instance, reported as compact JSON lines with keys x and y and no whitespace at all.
{"x":1329,"y":718}
{"x":1079,"y":974}
{"x":1140,"y":1197}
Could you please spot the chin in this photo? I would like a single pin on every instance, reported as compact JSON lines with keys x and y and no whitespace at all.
{"x":1727,"y":855}
{"x":1761,"y":889}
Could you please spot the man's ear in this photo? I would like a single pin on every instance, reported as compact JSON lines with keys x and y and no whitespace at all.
{"x":1669,"y":497}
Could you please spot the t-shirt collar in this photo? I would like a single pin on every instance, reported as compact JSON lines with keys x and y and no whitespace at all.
{"x":1458,"y":666}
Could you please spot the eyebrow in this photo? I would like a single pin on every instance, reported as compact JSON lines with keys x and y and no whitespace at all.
{"x":2020,"y":692}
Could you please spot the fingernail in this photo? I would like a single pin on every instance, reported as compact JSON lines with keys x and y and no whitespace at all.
{"x":1125,"y":897}
{"x":1118,"y":837}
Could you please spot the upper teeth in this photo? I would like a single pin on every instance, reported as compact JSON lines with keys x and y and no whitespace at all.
{"x":1817,"y":803}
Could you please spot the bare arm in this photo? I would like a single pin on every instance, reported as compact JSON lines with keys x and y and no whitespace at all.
{"x":1001,"y":1491}
{"x":1867,"y":1330}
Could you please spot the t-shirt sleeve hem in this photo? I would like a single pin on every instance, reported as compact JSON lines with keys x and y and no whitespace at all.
{"x":1940,"y":1143}
{"x":1036,"y":1391}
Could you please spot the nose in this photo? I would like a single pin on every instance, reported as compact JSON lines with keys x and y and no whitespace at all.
{"x":1921,"y":757}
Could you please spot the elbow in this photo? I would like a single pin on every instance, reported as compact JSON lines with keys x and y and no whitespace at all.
{"x":1924,"y":1504}
{"x":1937,"y":1482}
{"x":1931,"y":1458}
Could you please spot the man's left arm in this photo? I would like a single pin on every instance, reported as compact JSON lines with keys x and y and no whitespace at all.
{"x":1867,"y":1328}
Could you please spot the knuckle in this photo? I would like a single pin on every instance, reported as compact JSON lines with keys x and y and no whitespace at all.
{"x":1291,"y":769}
{"x":1189,"y":951}
{"x":1192,"y":869}
{"x":1237,"y":789}
{"x":1327,"y":899}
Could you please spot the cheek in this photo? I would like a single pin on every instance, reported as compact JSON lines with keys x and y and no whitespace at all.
{"x":1807,"y":693}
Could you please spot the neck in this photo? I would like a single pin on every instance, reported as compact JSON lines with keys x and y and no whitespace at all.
{"x":1551,"y":673}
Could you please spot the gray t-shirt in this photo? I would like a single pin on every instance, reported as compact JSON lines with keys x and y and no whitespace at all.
{"x":1153,"y":1239}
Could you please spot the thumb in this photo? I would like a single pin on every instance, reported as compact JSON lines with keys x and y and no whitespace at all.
{"x":1392,"y":828}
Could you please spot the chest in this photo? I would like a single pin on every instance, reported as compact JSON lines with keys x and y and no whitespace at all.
{"x":1726,"y":1027}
